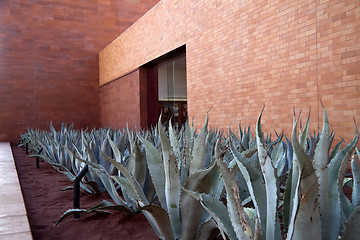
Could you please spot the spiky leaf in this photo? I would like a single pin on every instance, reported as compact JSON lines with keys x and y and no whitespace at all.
{"x":355,"y":167}
{"x":334,"y":195}
{"x":172,"y":182}
{"x":198,"y":153}
{"x":352,"y":226}
{"x":307,"y":220}
{"x":270,"y":183}
{"x":236,"y":211}
{"x":191,"y":209}
{"x":156,"y":169}
{"x":321,"y":160}
{"x":159,"y":219}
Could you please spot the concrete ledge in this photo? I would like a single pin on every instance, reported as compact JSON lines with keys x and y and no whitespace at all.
{"x":14,"y":223}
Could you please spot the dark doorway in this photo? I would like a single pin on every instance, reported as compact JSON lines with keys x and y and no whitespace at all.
{"x":172,"y":94}
{"x":165,"y":91}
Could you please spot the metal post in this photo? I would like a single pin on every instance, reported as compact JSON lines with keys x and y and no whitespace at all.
{"x":79,"y":176}
{"x":38,"y":159}
{"x":27,"y":148}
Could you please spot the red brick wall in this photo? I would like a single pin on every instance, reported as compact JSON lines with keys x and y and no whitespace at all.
{"x":49,"y":59}
{"x":244,"y":54}
{"x":159,"y":31}
{"x":120,"y":102}
{"x":126,"y":100}
{"x":339,"y":63}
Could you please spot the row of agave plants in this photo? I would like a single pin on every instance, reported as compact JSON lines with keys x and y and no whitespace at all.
{"x":193,"y":185}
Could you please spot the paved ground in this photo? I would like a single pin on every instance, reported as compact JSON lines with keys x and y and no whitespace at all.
{"x":13,"y":218}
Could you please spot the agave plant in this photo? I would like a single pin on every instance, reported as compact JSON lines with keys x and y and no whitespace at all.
{"x":241,"y":222}
{"x":30,"y":139}
{"x":191,"y":185}
{"x":53,"y":146}
{"x":174,"y":164}
{"x":309,"y":182}
{"x":182,"y":169}
{"x":113,"y":181}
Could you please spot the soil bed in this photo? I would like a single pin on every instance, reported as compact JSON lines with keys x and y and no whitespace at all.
{"x":45,"y":203}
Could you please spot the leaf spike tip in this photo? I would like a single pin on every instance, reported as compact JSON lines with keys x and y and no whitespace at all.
{"x":209,"y":109}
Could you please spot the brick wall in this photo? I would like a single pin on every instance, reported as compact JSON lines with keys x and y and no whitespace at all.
{"x":262,"y":53}
{"x":49,"y":59}
{"x":339,"y":63}
{"x":128,"y":99}
{"x":242,"y":55}
{"x":159,"y":31}
{"x":120,"y":102}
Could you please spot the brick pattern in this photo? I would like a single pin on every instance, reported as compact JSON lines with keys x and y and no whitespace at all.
{"x":244,"y":54}
{"x":49,"y":59}
{"x":339,"y":62}
{"x":153,"y":35}
{"x":120,"y":102}
{"x":262,"y":53}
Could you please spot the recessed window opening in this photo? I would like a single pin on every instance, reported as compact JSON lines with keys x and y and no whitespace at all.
{"x":172,"y":90}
